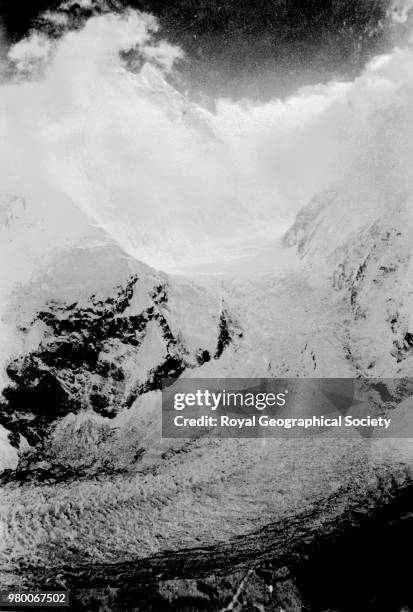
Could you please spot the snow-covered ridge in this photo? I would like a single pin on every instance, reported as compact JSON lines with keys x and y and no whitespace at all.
{"x":95,"y":330}
{"x":368,"y":262}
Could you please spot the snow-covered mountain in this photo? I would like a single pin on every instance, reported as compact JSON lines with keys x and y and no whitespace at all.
{"x":93,"y":329}
{"x":368,"y":261}
{"x":90,"y":490}
{"x":98,"y":331}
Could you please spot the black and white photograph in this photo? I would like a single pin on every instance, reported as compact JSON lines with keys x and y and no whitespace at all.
{"x":206,"y":305}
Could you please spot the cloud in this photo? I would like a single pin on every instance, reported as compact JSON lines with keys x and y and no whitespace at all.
{"x":172,"y":181}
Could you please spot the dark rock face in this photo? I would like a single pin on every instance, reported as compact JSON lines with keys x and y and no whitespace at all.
{"x":95,"y":355}
{"x":227,"y":330}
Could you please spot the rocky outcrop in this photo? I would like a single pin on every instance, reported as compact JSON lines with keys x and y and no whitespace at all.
{"x":368,"y":263}
{"x":98,"y":353}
